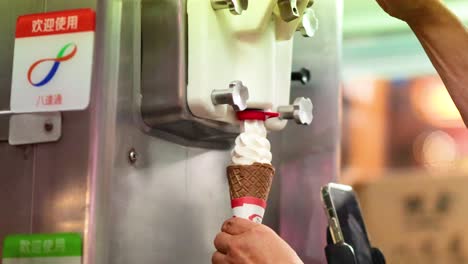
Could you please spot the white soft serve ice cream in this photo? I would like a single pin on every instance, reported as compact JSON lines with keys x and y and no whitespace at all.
{"x":252,"y":144}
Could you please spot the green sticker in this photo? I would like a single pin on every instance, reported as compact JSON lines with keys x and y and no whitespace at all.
{"x":42,"y":246}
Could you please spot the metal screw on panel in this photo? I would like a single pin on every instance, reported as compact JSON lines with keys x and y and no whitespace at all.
{"x":309,"y":24}
{"x":235,"y":6}
{"x":303,"y":76}
{"x":48,"y":127}
{"x":132,"y":156}
{"x":288,"y":10}
{"x":236,"y":96}
{"x":300,"y":111}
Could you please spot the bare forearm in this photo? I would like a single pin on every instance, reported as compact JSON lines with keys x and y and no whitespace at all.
{"x":445,"y":40}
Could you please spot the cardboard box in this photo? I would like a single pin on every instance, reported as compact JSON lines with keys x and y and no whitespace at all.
{"x":418,"y":218}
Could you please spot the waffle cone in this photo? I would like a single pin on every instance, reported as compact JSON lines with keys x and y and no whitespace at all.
{"x":250,"y":180}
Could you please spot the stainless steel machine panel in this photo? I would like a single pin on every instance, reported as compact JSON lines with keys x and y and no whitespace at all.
{"x":164,"y":80}
{"x":10,"y":10}
{"x":308,"y":158}
{"x":45,"y":185}
{"x":168,"y":205}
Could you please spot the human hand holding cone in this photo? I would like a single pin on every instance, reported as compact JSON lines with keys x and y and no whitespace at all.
{"x":251,"y":176}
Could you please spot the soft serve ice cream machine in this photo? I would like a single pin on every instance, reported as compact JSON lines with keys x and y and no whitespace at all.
{"x":232,"y":55}
{"x":236,"y":57}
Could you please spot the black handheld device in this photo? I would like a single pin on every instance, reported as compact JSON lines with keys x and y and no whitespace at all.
{"x":346,"y":225}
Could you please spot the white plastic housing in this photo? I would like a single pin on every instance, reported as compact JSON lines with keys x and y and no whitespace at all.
{"x":255,"y":48}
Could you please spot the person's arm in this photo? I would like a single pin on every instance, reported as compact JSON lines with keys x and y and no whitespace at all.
{"x":445,"y":40}
{"x":245,"y":242}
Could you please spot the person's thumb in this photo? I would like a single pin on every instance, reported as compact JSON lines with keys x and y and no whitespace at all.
{"x":237,"y":226}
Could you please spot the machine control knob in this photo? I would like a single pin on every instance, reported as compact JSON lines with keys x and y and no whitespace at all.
{"x":235,"y":6}
{"x":236,"y":95}
{"x":300,"y":111}
{"x":303,"y":76}
{"x":288,"y":10}
{"x":309,"y":24}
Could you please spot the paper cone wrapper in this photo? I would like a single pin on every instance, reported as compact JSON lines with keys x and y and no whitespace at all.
{"x":249,"y":186}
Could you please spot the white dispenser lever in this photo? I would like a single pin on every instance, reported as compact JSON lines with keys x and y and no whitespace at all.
{"x":288,"y":10}
{"x":236,"y":96}
{"x":300,"y":111}
{"x":235,"y":6}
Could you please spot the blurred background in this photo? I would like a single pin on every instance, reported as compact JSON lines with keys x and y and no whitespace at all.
{"x":404,"y":145}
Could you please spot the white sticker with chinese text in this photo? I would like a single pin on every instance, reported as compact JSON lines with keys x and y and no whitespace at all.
{"x":53,"y":59}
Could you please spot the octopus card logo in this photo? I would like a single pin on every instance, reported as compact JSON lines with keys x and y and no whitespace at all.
{"x":53,"y":61}
{"x":65,"y":54}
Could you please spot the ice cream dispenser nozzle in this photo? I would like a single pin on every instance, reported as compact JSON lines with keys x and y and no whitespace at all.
{"x":300,"y":111}
{"x":255,"y":115}
{"x":235,"y":6}
{"x":236,"y":95}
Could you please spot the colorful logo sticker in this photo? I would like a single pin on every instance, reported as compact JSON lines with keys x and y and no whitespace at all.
{"x":61,"y":57}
